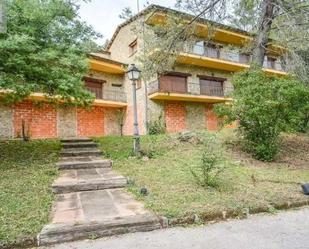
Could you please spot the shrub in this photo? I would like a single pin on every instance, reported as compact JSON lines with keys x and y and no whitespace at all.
{"x":156,"y":127}
{"x":265,"y":106}
{"x":211,"y":165}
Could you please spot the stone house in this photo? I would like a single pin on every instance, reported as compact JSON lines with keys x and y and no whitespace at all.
{"x":183,"y":98}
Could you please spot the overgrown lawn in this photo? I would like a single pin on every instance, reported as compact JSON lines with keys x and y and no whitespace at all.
{"x":173,"y":191}
{"x":27,"y":170}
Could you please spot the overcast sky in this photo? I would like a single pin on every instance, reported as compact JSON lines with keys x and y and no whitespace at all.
{"x":103,"y":14}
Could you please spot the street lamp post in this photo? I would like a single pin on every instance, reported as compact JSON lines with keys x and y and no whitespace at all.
{"x":134,"y":74}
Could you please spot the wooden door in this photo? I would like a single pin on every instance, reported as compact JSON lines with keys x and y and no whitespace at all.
{"x":95,"y":88}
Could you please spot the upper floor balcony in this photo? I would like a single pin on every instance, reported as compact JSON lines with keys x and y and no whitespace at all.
{"x":104,"y":95}
{"x":209,"y":56}
{"x":207,"y":90}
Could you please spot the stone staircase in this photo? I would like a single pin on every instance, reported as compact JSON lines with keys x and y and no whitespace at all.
{"x":90,"y":200}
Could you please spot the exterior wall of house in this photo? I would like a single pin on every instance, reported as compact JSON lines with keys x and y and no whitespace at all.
{"x":46,"y":121}
{"x":183,"y":115}
{"x":66,"y":122}
{"x":175,"y":116}
{"x":113,"y":88}
{"x":180,"y":116}
{"x":120,"y":51}
{"x":6,"y":122}
{"x":40,"y":119}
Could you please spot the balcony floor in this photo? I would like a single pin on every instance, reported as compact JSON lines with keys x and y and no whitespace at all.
{"x":188,"y":97}
{"x":220,"y":64}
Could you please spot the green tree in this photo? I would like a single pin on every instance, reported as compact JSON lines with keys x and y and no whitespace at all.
{"x":126,"y":13}
{"x":283,"y":22}
{"x":45,"y":50}
{"x":264,"y":107}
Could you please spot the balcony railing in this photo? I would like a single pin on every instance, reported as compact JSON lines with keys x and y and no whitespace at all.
{"x":232,"y":56}
{"x":108,"y":94}
{"x":192,"y":88}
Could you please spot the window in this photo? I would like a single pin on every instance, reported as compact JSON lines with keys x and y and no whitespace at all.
{"x":133,"y":47}
{"x":212,"y":86}
{"x":199,"y":48}
{"x":116,"y":85}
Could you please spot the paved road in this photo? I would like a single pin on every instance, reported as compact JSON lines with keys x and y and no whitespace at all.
{"x":288,"y":229}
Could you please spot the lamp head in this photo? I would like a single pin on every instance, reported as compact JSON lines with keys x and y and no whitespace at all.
{"x":133,"y":72}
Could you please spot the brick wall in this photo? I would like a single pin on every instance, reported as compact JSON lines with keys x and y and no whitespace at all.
{"x":175,"y":116}
{"x":46,"y":121}
{"x":129,"y":121}
{"x":90,"y":122}
{"x":40,"y":119}
{"x":211,"y":118}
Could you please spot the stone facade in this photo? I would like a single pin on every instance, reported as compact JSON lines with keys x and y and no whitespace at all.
{"x":67,"y":122}
{"x":6,"y":122}
{"x":113,"y":119}
{"x":195,"y":120}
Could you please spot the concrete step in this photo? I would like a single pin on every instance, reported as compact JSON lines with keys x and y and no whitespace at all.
{"x":64,"y":232}
{"x":89,"y":185}
{"x":75,"y":180}
{"x":76,"y":140}
{"x":103,"y":163}
{"x":79,"y":145}
{"x":74,"y":152}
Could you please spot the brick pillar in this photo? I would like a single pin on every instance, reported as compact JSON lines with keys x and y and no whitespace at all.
{"x":90,"y":122}
{"x":211,"y":118}
{"x":175,"y":116}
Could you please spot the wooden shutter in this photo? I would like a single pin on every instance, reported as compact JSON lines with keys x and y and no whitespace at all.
{"x":211,"y":87}
{"x":95,"y":88}
{"x":172,"y":83}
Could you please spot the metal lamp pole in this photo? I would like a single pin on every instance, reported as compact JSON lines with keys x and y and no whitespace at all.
{"x":133,"y":74}
{"x":136,"y":143}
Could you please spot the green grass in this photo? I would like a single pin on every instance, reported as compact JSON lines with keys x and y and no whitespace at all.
{"x":175,"y":193}
{"x":26,"y":172}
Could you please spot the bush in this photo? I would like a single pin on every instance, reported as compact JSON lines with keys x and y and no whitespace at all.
{"x":156,"y":127}
{"x":265,"y":106}
{"x":211,"y":165}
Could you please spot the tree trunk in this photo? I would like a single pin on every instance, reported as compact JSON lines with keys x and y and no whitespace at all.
{"x":269,"y":11}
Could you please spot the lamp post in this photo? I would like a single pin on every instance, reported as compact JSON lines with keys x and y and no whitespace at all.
{"x":133,"y":75}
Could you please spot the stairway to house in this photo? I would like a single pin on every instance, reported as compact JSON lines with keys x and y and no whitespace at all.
{"x":90,"y":201}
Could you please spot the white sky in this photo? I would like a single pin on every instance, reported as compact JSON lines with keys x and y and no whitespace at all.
{"x":103,"y":14}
